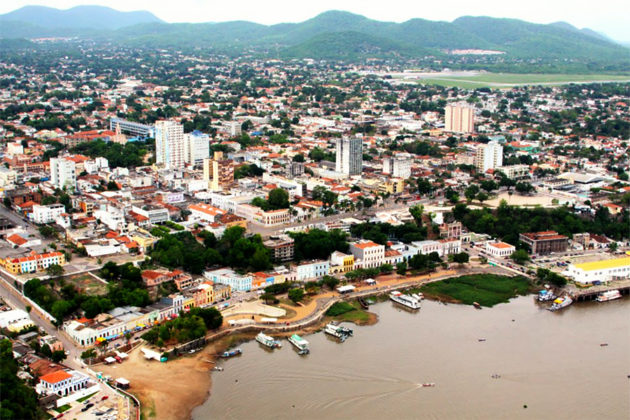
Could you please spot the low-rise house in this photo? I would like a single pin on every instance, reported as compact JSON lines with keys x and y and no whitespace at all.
{"x":499,"y":249}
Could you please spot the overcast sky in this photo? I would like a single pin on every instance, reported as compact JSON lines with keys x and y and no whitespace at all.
{"x":611,"y":17}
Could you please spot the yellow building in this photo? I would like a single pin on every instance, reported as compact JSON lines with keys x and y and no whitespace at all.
{"x":145,"y":241}
{"x":33,"y":262}
{"x":393,"y":186}
{"x":341,"y":263}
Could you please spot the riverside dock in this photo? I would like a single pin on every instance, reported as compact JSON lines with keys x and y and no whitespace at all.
{"x":591,"y":293}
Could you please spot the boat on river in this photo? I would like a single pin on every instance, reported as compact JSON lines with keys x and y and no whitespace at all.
{"x":609,"y":295}
{"x":338,"y":331}
{"x":268,"y":341}
{"x":561,"y":303}
{"x":545,"y":296}
{"x":405,"y":300}
{"x":231,"y":353}
{"x":300,"y":344}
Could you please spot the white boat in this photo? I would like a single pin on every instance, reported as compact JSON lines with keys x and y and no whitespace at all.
{"x":338,"y":331}
{"x":545,"y":296}
{"x":300,"y":343}
{"x":268,"y":341}
{"x":405,"y":300}
{"x":561,"y":302}
{"x":609,"y":295}
{"x":418,"y":296}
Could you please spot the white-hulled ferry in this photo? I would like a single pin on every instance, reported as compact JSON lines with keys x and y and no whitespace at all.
{"x":338,"y":331}
{"x":300,"y":343}
{"x":405,"y":300}
{"x":609,"y":295}
{"x":268,"y":341}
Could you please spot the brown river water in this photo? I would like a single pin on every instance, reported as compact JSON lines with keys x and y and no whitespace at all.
{"x":552,"y":363}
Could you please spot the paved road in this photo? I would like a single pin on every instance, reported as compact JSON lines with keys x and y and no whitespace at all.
{"x":16,"y":300}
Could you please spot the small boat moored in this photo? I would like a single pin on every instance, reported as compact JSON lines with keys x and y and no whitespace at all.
{"x":231,"y":353}
{"x":300,"y":344}
{"x":405,"y":300}
{"x":561,"y":303}
{"x":268,"y":341}
{"x":338,"y":331}
{"x":545,"y":296}
{"x":609,"y":295}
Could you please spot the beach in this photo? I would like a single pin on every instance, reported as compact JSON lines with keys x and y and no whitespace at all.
{"x":170,"y":390}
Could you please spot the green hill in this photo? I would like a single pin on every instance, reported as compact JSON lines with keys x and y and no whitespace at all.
{"x":331,"y":35}
{"x":90,"y":17}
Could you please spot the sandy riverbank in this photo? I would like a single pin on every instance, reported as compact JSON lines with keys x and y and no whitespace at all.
{"x":169,"y":390}
{"x":172,"y":390}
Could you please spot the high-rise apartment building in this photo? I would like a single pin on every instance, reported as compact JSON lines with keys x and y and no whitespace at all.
{"x":349,"y":156}
{"x":196,"y":147}
{"x":489,"y":156}
{"x":459,"y":118}
{"x":169,"y":144}
{"x":397,"y":167}
{"x":218,"y":171}
{"x":63,"y":173}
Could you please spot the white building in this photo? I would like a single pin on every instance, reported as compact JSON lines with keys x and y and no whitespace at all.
{"x":600,"y":271}
{"x":112,"y":217}
{"x":459,"y":118}
{"x":499,"y":249}
{"x":349,"y":156}
{"x":63,"y":173}
{"x":62,"y":382}
{"x":312,"y":270}
{"x":239,"y":282}
{"x":169,"y":144}
{"x":196,"y":147}
{"x":443,"y":247}
{"x":489,"y":156}
{"x":46,"y":214}
{"x":368,"y":254}
{"x":397,"y":167}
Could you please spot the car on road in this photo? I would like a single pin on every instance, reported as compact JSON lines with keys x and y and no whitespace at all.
{"x":104,"y":397}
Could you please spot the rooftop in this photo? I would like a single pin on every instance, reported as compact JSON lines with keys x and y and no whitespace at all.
{"x":605,"y":264}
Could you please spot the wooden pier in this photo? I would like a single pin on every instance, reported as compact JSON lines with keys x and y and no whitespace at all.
{"x":591,"y":293}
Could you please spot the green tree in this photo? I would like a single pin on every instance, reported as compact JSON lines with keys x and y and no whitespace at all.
{"x":17,"y":400}
{"x":471,"y":192}
{"x":401,"y":268}
{"x":55,"y":270}
{"x":88,"y":354}
{"x":461,"y":258}
{"x":58,"y":356}
{"x":520,"y":256}
{"x":386,"y":268}
{"x":612,"y":247}
{"x":47,"y":231}
{"x":278,"y":199}
{"x":330,"y":282}
{"x":296,"y":295}
{"x":416,"y":212}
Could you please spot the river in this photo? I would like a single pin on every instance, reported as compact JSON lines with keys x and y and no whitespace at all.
{"x":552,"y":363}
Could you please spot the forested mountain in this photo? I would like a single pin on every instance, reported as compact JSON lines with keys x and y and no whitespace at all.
{"x":330,"y":35}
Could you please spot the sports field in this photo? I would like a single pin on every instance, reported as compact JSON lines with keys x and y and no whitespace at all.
{"x":507,"y":80}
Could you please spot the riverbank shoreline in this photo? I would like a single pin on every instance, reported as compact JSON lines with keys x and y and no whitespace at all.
{"x":193,"y":390}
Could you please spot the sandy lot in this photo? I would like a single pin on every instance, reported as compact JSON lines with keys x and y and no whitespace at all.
{"x":167,"y":390}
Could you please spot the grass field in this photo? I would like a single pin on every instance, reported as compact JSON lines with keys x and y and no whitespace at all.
{"x":87,"y":284}
{"x":485,"y":289}
{"x":350,"y":312}
{"x":507,"y":80}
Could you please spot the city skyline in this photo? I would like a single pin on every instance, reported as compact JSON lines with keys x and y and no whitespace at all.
{"x":606,"y":19}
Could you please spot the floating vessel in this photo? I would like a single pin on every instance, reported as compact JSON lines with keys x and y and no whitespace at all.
{"x":561,"y":302}
{"x":338,"y":331}
{"x":231,"y":353}
{"x":268,"y":341}
{"x":545,"y":296}
{"x":609,"y":295}
{"x":299,"y":343}
{"x":217,"y":369}
{"x":418,"y":296}
{"x":429,"y":384}
{"x":405,"y":300}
